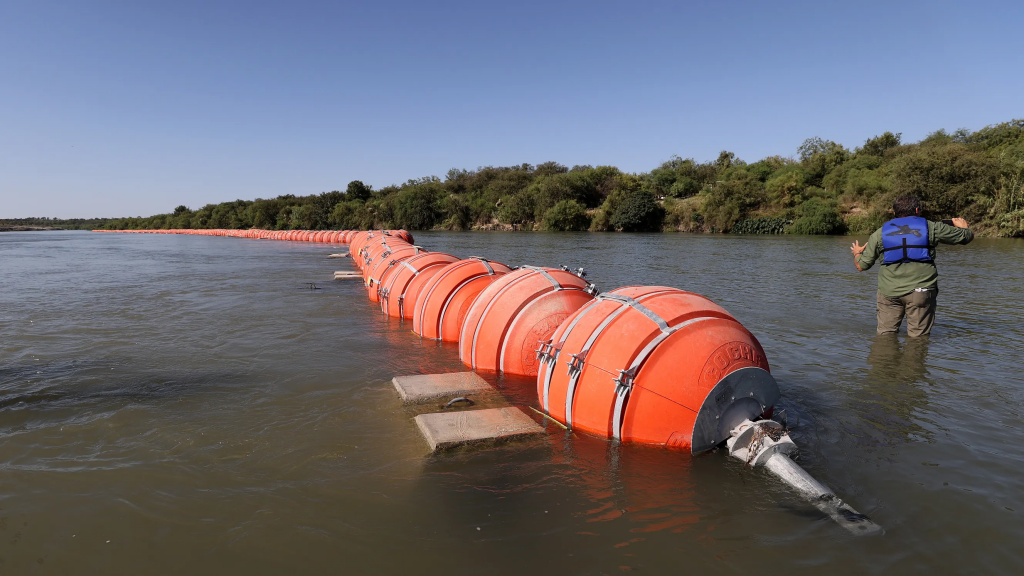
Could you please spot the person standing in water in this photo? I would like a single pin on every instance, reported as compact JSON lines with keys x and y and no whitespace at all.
{"x":908,"y":282}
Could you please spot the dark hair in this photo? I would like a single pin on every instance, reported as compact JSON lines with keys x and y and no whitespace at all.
{"x":906,"y":206}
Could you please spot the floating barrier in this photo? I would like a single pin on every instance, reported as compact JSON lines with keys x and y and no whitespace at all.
{"x":641,"y":364}
{"x":510,"y":316}
{"x":443,"y":302}
{"x":379,"y":250}
{"x":403,"y":286}
{"x":385,"y":265}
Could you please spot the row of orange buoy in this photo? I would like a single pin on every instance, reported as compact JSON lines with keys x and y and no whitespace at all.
{"x":648,"y":364}
{"x":324,"y":236}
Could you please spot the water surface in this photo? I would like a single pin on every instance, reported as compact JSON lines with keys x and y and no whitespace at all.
{"x":186,"y":404}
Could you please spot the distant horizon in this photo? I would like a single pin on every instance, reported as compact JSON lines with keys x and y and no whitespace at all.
{"x":139,"y":108}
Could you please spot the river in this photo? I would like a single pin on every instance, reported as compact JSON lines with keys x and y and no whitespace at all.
{"x":186,"y":404}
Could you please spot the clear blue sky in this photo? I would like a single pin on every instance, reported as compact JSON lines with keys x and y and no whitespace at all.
{"x":131,"y":108}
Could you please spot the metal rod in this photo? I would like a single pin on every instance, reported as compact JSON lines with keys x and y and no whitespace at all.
{"x":818,"y":494}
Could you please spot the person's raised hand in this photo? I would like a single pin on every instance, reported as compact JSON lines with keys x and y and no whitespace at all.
{"x":856,"y":248}
{"x":959,"y":222}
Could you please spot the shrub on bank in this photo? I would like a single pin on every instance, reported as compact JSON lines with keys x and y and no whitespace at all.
{"x":639,"y":212}
{"x":566,"y":216}
{"x":817,"y":216}
{"x":761,"y":226}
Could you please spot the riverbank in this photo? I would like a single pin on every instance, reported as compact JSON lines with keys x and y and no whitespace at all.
{"x":824,"y":189}
{"x":28,"y":228}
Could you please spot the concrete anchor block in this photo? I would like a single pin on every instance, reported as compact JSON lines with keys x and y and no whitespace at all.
{"x":446,"y":430}
{"x":345,"y":255}
{"x":421,"y":388}
{"x":347,"y":275}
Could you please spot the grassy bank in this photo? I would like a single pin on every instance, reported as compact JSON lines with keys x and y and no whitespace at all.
{"x":825,"y":188}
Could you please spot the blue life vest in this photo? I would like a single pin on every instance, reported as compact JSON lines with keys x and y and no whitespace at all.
{"x":905,"y":240}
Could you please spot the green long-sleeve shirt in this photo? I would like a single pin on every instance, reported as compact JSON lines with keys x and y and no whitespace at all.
{"x":895,"y":280}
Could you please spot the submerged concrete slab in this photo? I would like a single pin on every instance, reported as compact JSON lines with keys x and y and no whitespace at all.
{"x":347,"y":275}
{"x":414,"y":389}
{"x":345,"y":255}
{"x":445,"y":430}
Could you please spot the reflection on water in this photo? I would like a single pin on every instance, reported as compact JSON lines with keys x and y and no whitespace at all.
{"x":894,"y":391}
{"x":176,"y":405}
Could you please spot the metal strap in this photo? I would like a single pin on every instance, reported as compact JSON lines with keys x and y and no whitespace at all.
{"x":574,"y":378}
{"x":574,"y":375}
{"x":546,"y":275}
{"x":554,"y":359}
{"x":624,"y":383}
{"x":638,"y":307}
{"x":484,"y":261}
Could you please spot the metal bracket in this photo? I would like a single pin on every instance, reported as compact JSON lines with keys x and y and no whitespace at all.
{"x":625,"y":380}
{"x":544,"y":352}
{"x":576,"y":362}
{"x":581,"y":272}
{"x":756,"y":442}
{"x":592,"y":289}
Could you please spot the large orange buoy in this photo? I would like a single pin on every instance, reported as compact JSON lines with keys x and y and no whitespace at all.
{"x":403,"y":285}
{"x":377,"y":250}
{"x":371,"y":243}
{"x":654,"y":365}
{"x":356,"y":244}
{"x":442,"y":303}
{"x":384,"y":264}
{"x":509,"y":318}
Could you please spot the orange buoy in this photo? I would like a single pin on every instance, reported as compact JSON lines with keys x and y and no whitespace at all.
{"x":654,"y":365}
{"x":442,"y":303}
{"x":403,"y":234}
{"x":403,"y":285}
{"x":357,"y":244}
{"x":385,"y":264}
{"x":507,"y":321}
{"x":377,"y":249}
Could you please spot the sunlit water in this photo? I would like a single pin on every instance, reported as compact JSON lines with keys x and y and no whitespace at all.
{"x":186,"y":405}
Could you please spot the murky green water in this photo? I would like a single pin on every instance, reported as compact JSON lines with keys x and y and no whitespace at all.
{"x":176,"y":404}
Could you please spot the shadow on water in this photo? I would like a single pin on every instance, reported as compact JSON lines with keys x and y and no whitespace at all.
{"x":40,"y":386}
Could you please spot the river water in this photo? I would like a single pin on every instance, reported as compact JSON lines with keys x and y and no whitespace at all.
{"x":186,"y":404}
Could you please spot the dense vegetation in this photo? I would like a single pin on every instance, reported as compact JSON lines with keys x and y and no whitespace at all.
{"x":825,"y":189}
{"x":66,"y":224}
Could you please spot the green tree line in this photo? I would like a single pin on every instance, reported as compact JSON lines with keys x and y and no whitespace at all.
{"x":65,"y":223}
{"x":825,"y":188}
